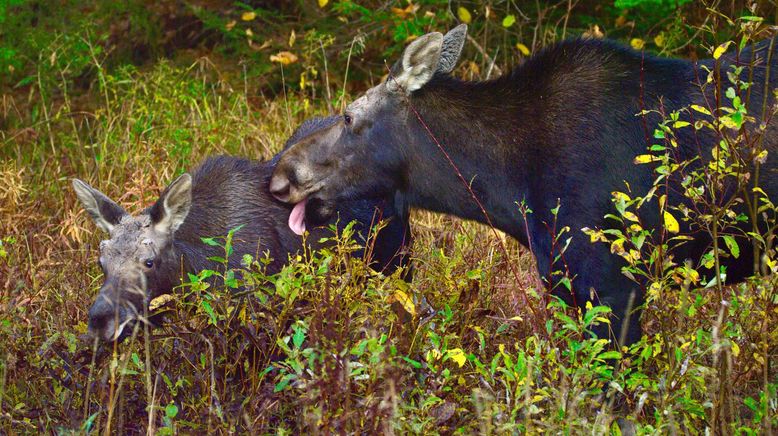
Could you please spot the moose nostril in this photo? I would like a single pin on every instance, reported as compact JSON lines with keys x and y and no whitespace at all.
{"x":280,"y":187}
{"x":101,"y":314}
{"x":96,"y":322}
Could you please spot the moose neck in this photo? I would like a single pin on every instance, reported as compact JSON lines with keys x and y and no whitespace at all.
{"x":478,"y":126}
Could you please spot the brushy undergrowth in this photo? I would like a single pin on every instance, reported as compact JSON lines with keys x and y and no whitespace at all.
{"x":328,"y":345}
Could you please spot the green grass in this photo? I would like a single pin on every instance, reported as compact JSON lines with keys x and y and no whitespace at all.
{"x":323,"y":346}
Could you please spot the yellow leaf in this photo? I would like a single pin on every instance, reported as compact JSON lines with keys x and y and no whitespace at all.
{"x":630,"y":216}
{"x":720,"y":50}
{"x":700,"y":109}
{"x":617,"y":246}
{"x":735,"y":349}
{"x":523,"y":49}
{"x":464,"y":15}
{"x":659,"y":40}
{"x":292,"y":38}
{"x":457,"y":355}
{"x":323,"y":3}
{"x":248,"y":16}
{"x":284,"y":58}
{"x":620,"y":196}
{"x":409,"y":10}
{"x":159,"y":302}
{"x":645,"y":158}
{"x":637,"y":43}
{"x":81,"y":327}
{"x":405,"y":301}
{"x":635,"y":228}
{"x":671,"y":224}
{"x":680,"y":124}
{"x":653,"y":290}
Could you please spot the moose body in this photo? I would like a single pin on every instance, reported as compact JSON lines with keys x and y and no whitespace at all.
{"x":560,"y":130}
{"x":146,"y":254}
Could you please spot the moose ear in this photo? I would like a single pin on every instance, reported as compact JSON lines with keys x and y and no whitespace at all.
{"x":419,"y":63}
{"x":453,"y":42}
{"x":105,"y":213}
{"x":173,"y":205}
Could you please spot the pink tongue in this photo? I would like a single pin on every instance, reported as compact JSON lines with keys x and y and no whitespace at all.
{"x":297,"y":218}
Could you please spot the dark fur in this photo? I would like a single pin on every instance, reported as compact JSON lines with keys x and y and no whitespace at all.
{"x":561,"y":126}
{"x":228,"y":192}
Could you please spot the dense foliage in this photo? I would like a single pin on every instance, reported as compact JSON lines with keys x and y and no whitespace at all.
{"x":129,"y":94}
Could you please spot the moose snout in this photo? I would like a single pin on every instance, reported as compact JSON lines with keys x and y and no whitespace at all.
{"x":287,"y":183}
{"x":105,"y":317}
{"x":280,"y":186}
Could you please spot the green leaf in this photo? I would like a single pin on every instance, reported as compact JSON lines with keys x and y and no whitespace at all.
{"x":613,"y":354}
{"x":508,"y":21}
{"x":211,"y":241}
{"x":412,"y":362}
{"x":281,"y":385}
{"x":299,"y":337}
{"x":732,"y":245}
{"x":209,"y":310}
{"x":171,"y":410}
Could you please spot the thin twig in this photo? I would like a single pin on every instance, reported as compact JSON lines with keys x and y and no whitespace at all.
{"x":485,"y":55}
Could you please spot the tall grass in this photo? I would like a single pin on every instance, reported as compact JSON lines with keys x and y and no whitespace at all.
{"x":320,"y":347}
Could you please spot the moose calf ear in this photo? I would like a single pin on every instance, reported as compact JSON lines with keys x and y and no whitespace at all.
{"x":419,"y":63}
{"x":170,"y":211}
{"x":105,"y":213}
{"x":453,"y":42}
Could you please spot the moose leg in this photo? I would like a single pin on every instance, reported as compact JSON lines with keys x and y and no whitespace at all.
{"x":599,"y":280}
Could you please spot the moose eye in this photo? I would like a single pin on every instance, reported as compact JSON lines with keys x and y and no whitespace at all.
{"x":347,"y":119}
{"x":149,"y":263}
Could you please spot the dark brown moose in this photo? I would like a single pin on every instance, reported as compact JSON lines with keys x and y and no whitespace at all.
{"x":561,"y":128}
{"x":144,"y":255}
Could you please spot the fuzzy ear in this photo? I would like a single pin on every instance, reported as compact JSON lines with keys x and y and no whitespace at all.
{"x":453,"y":42}
{"x":105,"y":213}
{"x":419,"y":63}
{"x":170,"y":211}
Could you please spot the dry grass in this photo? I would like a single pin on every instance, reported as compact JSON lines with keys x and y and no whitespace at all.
{"x":472,"y":364}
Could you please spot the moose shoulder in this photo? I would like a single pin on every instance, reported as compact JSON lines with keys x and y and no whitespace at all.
{"x":563,"y":127}
{"x":145,"y":254}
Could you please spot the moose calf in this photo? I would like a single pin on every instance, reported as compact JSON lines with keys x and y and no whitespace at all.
{"x":144,"y":255}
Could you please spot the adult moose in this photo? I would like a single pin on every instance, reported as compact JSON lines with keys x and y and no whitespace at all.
{"x":145,"y":253}
{"x":561,"y":127}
